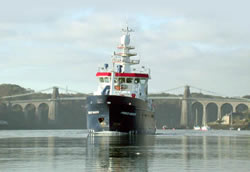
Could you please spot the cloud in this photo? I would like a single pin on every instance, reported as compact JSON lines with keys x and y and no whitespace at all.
{"x":205,"y":44}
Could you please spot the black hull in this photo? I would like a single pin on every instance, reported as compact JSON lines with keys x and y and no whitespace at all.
{"x":119,"y":114}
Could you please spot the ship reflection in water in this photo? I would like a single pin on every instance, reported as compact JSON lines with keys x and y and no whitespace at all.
{"x":73,"y":150}
{"x":114,"y":153}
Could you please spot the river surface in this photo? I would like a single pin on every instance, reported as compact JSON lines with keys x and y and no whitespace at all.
{"x":168,"y":150}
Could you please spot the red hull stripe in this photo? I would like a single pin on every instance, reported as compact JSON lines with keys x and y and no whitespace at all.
{"x":139,"y":75}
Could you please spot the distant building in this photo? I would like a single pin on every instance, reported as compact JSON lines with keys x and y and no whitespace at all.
{"x":226,"y":119}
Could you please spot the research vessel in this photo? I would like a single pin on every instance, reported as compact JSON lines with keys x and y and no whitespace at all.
{"x":121,"y":105}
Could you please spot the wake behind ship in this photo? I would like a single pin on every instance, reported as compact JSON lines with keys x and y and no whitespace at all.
{"x":120,"y":105}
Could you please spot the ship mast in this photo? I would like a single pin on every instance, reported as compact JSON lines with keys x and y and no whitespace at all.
{"x":122,"y":58}
{"x":112,"y":80}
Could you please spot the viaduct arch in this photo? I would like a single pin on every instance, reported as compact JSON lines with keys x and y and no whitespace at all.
{"x":203,"y":110}
{"x":32,"y":112}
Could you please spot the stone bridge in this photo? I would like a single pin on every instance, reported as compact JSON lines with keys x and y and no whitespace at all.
{"x":38,"y":111}
{"x":205,"y":110}
{"x":46,"y":111}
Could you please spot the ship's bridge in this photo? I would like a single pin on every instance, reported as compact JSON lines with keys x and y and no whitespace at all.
{"x":128,"y":84}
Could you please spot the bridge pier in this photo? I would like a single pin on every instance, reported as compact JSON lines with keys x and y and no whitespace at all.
{"x":54,"y":107}
{"x":234,"y":108}
{"x":219,"y":112}
{"x":186,"y":109}
{"x":204,"y":117}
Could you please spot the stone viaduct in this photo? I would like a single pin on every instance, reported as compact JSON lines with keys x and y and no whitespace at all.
{"x":208,"y":109}
{"x":202,"y":110}
{"x":40,"y":111}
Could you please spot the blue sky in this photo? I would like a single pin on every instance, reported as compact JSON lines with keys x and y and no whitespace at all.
{"x":61,"y":43}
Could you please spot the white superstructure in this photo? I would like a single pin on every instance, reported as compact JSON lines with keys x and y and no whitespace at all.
{"x":122,"y":78}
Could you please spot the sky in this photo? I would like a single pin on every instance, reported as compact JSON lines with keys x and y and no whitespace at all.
{"x":205,"y":44}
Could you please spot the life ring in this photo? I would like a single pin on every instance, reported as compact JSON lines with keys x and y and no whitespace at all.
{"x":122,"y":87}
{"x":117,"y":87}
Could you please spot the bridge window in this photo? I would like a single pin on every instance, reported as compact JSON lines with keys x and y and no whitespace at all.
{"x":137,"y":80}
{"x":122,"y":80}
{"x":129,"y":80}
{"x":143,"y":81}
{"x":106,"y":79}
{"x":101,"y":79}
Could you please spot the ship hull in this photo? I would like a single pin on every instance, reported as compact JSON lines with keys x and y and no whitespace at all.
{"x":119,"y":115}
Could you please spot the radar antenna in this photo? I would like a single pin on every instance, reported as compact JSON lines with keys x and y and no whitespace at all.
{"x":127,"y":30}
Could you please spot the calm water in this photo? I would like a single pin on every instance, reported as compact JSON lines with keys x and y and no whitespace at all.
{"x":72,"y":150}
